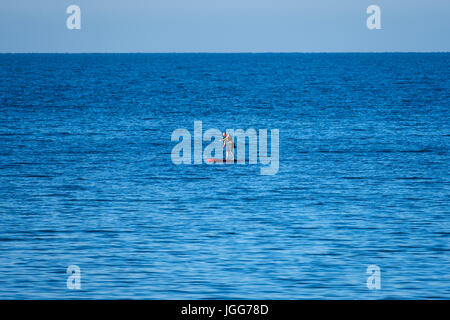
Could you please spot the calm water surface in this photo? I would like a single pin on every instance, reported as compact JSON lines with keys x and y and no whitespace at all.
{"x":86,"y":176}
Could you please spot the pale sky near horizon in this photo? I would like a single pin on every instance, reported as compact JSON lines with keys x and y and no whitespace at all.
{"x":224,"y":26}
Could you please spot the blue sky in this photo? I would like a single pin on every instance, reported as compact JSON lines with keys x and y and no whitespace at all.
{"x":224,"y":26}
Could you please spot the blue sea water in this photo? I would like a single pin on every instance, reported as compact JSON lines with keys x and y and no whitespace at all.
{"x":86,"y":176}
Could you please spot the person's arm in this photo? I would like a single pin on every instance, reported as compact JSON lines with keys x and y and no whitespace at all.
{"x":226,"y":137}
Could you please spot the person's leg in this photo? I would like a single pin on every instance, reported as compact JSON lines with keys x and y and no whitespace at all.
{"x":230,"y":151}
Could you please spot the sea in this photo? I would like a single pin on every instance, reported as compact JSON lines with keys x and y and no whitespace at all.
{"x":358,"y":209}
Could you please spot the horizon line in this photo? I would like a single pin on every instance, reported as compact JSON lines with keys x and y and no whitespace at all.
{"x":211,"y":52}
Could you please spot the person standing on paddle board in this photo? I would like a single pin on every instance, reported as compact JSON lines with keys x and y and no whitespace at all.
{"x":228,"y":141}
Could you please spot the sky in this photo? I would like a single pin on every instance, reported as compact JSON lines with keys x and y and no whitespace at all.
{"x":224,"y":26}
